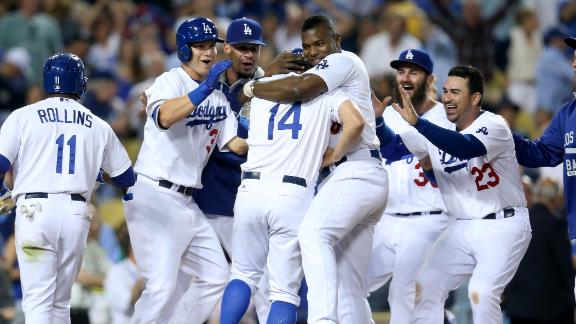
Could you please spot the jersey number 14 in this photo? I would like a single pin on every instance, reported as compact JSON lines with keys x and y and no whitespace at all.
{"x":72,"y":157}
{"x":295,"y":125}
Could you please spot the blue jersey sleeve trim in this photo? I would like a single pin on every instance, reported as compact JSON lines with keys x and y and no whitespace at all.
{"x":4,"y":164}
{"x":429,"y":174}
{"x":462,"y":146}
{"x":125,"y":180}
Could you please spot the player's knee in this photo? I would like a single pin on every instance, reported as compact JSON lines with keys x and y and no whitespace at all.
{"x":482,"y":294}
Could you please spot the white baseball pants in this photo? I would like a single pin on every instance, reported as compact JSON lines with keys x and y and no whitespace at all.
{"x":51,"y":236}
{"x":223,"y":226}
{"x":487,"y":251}
{"x":335,"y":237}
{"x":401,"y":245}
{"x":267,"y":216}
{"x":178,"y":254}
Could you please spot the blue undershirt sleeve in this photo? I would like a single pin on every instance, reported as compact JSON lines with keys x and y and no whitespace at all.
{"x":391,"y":146}
{"x":462,"y":146}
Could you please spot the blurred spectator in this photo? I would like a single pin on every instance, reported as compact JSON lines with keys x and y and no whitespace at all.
{"x":546,"y":10}
{"x":123,"y":285}
{"x":88,"y":304}
{"x":471,"y":32}
{"x":509,"y":110}
{"x":102,"y":99}
{"x":37,"y":32}
{"x":555,"y":75}
{"x":287,"y":34}
{"x":415,"y":18}
{"x":567,"y":13}
{"x":381,"y":48}
{"x":442,"y":50}
{"x":15,"y":74}
{"x":525,"y":49}
{"x":542,"y":291}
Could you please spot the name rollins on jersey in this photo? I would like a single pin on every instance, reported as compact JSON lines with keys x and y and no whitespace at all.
{"x":53,"y":115}
{"x":207,"y":115}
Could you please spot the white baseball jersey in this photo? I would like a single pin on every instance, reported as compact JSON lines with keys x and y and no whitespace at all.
{"x":482,"y":185}
{"x":179,"y":153}
{"x":347,"y":72}
{"x":291,"y":139}
{"x":58,"y":146}
{"x":410,"y":191}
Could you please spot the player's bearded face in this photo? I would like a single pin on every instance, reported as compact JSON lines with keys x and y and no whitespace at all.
{"x":244,"y":58}
{"x":203,"y":57}
{"x":419,"y":91}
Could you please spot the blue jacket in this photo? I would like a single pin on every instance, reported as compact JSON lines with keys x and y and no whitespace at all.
{"x":557,"y":145}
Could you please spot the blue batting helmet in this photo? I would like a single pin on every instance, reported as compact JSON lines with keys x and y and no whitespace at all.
{"x":192,"y":31}
{"x":64,"y":73}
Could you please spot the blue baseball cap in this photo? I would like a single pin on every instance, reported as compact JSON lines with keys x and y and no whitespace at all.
{"x":416,"y":57}
{"x":244,"y":31}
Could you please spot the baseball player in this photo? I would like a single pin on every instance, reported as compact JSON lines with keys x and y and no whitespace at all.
{"x":171,"y":238}
{"x":475,"y":166}
{"x":286,"y":143}
{"x":337,"y":229}
{"x":221,"y":175}
{"x":556,"y":145}
{"x":56,"y":148}
{"x":415,"y":214}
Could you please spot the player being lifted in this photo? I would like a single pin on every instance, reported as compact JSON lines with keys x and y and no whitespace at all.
{"x":338,"y":228}
{"x":56,"y":147}
{"x":474,"y":164}
{"x":171,"y":238}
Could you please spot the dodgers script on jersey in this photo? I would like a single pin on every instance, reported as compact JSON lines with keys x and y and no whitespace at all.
{"x":208,"y":125}
{"x":291,"y":138}
{"x":482,"y":185}
{"x":59,"y":145}
{"x":411,"y":191}
{"x":347,"y":72}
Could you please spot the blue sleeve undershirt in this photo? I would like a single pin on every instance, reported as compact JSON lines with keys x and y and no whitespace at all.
{"x":125,"y":180}
{"x":462,"y":146}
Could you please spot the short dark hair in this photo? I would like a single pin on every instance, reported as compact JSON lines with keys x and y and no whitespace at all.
{"x":473,"y":75}
{"x":319,"y":20}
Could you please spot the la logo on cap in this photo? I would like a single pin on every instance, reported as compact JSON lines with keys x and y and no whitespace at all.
{"x":207,"y":29}
{"x":409,"y":55}
{"x":247,"y":30}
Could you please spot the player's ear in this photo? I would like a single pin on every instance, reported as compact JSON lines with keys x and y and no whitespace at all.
{"x":476,"y":98}
{"x":227,"y":48}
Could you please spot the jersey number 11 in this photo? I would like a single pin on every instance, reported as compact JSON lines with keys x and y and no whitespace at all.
{"x":71,"y":163}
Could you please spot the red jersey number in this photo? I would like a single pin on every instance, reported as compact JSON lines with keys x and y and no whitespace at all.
{"x":213,"y":134}
{"x":492,"y":179}
{"x":421,"y":181}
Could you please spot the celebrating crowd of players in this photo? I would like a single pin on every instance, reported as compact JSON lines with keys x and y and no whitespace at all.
{"x":448,"y":168}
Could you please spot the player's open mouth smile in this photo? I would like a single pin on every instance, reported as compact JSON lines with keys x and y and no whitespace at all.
{"x":450,"y":108}
{"x":206,"y":61}
{"x":247,"y":65}
{"x":408,"y":87}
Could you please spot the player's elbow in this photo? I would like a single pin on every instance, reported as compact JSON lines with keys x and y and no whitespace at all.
{"x":238,"y":145}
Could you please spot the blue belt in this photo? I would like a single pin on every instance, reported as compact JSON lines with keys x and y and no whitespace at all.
{"x":373,"y":153}
{"x":286,"y":179}
{"x":75,"y":197}
{"x":186,"y":191}
{"x":508,"y":212}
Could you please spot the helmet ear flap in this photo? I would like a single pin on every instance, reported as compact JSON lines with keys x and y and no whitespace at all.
{"x":184,"y":53}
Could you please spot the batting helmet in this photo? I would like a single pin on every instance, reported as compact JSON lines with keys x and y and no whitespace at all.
{"x":64,"y":73}
{"x":192,"y":31}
